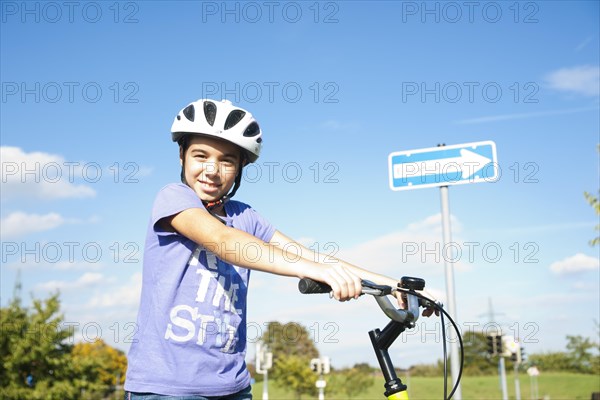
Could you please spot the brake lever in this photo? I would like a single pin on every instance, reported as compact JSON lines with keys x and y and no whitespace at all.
{"x":426,"y":303}
{"x":376,"y":290}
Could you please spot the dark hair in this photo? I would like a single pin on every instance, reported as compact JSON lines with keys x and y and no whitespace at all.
{"x":184,"y":144}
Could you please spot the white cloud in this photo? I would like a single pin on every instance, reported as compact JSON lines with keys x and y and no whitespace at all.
{"x":76,"y":265}
{"x":583,"y":80}
{"x":433,"y":223}
{"x":123,"y":296}
{"x":87,"y":280}
{"x":143,"y":172}
{"x":46,"y":263}
{"x":338,"y":329}
{"x":585,"y":286}
{"x":510,"y":117}
{"x":584,"y":43}
{"x":574,"y":264}
{"x":415,"y":250}
{"x":39,"y":175}
{"x":335,"y":125}
{"x":407,"y":251}
{"x":20,"y":224}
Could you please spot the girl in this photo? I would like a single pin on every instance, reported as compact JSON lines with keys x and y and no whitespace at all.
{"x":191,"y":341}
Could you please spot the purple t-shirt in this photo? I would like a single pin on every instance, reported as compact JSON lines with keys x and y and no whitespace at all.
{"x":191,"y":336}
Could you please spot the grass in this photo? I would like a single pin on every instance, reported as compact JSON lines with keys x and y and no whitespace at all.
{"x":557,"y":386}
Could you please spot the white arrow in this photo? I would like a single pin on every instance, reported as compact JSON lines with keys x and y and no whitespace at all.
{"x":467,"y":164}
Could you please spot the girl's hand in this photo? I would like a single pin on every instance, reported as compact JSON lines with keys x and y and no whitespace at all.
{"x":344,"y":283}
{"x":403,"y":303}
{"x":428,"y":312}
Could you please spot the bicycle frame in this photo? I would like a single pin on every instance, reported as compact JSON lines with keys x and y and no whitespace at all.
{"x":382,"y":340}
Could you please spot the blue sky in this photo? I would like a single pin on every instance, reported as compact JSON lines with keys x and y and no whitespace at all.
{"x":89,"y":92}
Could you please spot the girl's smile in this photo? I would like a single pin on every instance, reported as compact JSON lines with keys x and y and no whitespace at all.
{"x":210,"y":167}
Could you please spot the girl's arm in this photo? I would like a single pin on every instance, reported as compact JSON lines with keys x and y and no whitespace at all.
{"x":240,"y":248}
{"x":281,"y":240}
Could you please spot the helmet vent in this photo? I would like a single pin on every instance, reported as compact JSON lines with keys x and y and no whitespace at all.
{"x":252,"y":130}
{"x":189,"y":112}
{"x":233,"y":118}
{"x":210,"y":112}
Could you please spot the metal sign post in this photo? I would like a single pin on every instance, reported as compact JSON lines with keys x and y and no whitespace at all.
{"x":533,"y":373}
{"x":321,"y":366}
{"x":440,"y":167}
{"x":449,"y":272}
{"x":264,"y":362}
{"x":512,"y":349}
{"x":502,"y":373}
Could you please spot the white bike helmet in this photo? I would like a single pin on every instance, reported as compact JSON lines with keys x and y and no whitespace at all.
{"x":220,"y":119}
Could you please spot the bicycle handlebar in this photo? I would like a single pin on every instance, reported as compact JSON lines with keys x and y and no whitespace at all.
{"x":407,"y":284}
{"x":400,"y":320}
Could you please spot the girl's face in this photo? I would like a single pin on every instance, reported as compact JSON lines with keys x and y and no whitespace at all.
{"x":210,"y":166}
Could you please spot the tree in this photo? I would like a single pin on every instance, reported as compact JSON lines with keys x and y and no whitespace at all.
{"x":100,"y":363}
{"x":292,"y":350}
{"x":365,"y":367}
{"x":581,"y":357}
{"x":289,"y":339}
{"x":351,"y":382}
{"x":580,"y":353}
{"x":293,"y":372}
{"x":593,"y":200}
{"x":35,"y":353}
{"x":39,"y":361}
{"x":477,"y":360}
{"x":551,"y":361}
{"x":427,"y":369}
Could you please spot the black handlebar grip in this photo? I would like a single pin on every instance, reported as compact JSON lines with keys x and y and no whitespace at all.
{"x":308,"y":286}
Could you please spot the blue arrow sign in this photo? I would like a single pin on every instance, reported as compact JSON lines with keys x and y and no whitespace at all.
{"x":443,"y":166}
